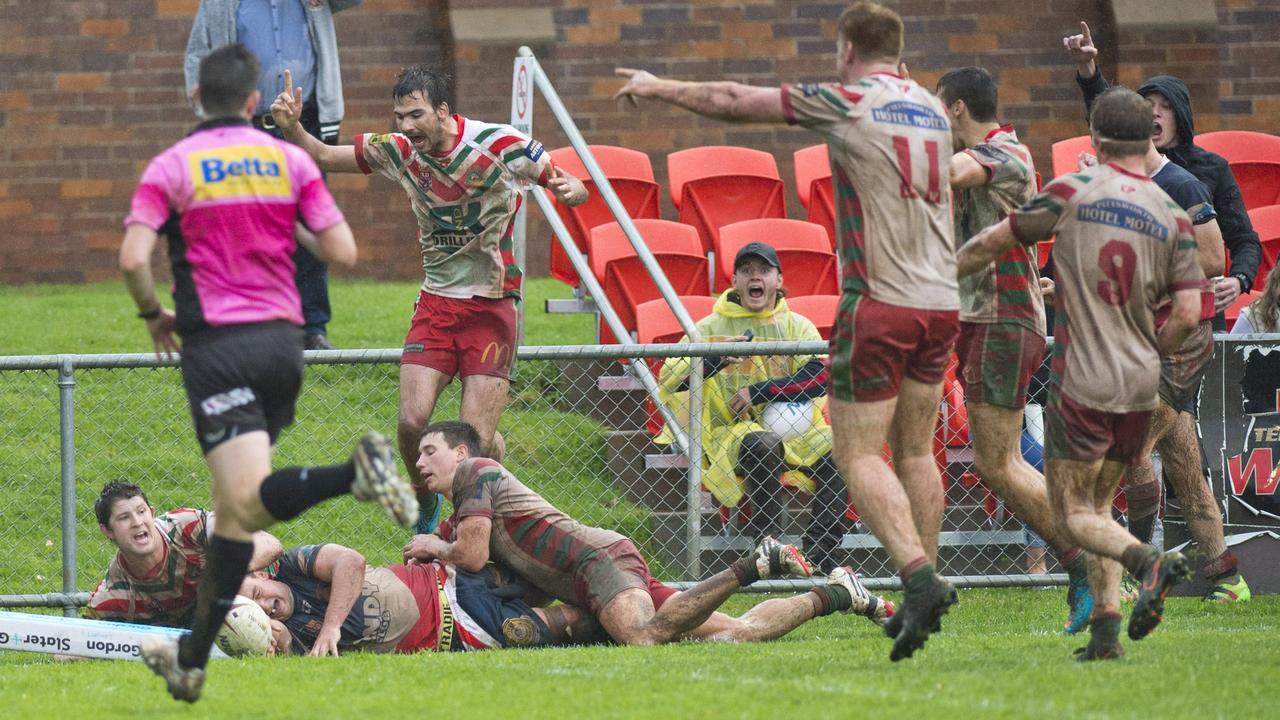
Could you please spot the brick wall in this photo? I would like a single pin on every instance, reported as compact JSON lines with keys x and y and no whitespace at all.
{"x":89,"y":90}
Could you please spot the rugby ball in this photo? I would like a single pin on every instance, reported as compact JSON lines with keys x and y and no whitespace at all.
{"x":246,"y":631}
{"x":788,"y":419}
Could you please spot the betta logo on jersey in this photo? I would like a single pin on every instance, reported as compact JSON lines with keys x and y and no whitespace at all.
{"x":1123,"y":215}
{"x":904,"y":112}
{"x":810,"y":89}
{"x":533,"y":150}
{"x":239,"y":171}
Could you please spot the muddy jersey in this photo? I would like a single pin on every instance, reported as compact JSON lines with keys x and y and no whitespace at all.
{"x":889,"y":144}
{"x":465,"y":201}
{"x":1122,"y":246}
{"x":384,"y":615}
{"x":227,"y":197}
{"x":1007,"y":290}
{"x":539,"y":542}
{"x":167,"y":594}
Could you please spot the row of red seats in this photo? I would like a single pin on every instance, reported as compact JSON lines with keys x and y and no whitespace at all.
{"x":808,"y":261}
{"x":711,"y":187}
{"x":1254,"y":159}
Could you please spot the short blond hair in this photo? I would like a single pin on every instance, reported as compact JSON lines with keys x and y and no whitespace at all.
{"x":874,"y":30}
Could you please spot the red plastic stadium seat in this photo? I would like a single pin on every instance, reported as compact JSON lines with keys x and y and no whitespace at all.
{"x":630,"y":174}
{"x":1066,"y":154}
{"x":1254,"y":158}
{"x":1233,"y":311}
{"x":955,"y":426}
{"x":808,"y":264}
{"x":813,"y":185}
{"x":1266,"y":222}
{"x":624,"y":279}
{"x":819,"y":309}
{"x":655,"y":323}
{"x":716,"y":185}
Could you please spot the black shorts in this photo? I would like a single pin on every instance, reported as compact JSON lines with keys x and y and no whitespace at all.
{"x":241,"y":379}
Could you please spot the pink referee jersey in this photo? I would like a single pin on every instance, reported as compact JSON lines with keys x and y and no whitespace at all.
{"x":227,"y":197}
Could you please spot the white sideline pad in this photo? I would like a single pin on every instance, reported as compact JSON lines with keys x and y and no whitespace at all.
{"x":53,"y":634}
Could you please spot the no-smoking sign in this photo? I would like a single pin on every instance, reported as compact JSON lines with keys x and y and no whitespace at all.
{"x":521,"y":89}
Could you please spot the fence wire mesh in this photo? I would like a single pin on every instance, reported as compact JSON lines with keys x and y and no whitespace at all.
{"x":577,"y":430}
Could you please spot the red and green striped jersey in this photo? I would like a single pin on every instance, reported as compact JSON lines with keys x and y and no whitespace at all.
{"x":1122,"y":246}
{"x":465,"y":202}
{"x":889,"y":142}
{"x":530,"y":535}
{"x":167,"y":594}
{"x":1007,"y":290}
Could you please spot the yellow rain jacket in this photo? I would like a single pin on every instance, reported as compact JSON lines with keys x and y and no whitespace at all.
{"x":722,"y":432}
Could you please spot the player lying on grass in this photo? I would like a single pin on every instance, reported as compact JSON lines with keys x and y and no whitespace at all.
{"x":159,"y":559}
{"x":497,"y":517}
{"x":325,"y":600}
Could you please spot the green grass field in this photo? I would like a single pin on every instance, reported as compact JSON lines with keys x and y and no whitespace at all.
{"x":998,"y":657}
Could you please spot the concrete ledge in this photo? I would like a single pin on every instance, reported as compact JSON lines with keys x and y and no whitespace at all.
{"x":1147,"y":15}
{"x":496,"y":26}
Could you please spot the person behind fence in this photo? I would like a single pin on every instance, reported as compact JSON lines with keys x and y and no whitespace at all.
{"x":281,"y":34}
{"x":1174,"y":136}
{"x":898,"y":315}
{"x":745,"y":460}
{"x":465,"y":180}
{"x":496,"y":516}
{"x":1002,"y":317}
{"x":1122,"y":245}
{"x":159,"y":559}
{"x":227,"y":198}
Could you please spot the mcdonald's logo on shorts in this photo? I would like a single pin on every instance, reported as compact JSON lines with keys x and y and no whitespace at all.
{"x":499,"y":351}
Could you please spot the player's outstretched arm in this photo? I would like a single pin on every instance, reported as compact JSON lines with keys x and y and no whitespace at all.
{"x":727,"y":101}
{"x":286,"y":111}
{"x":135,"y":263}
{"x":984,"y":248}
{"x":343,"y":568}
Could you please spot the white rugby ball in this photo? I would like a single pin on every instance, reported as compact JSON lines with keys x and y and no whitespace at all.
{"x":246,"y":631}
{"x":788,"y":419}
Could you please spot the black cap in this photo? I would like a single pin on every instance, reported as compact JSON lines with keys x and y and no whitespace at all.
{"x":764,"y":252}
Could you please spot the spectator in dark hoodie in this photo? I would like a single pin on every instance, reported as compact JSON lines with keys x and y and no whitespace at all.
{"x":1174,"y":136}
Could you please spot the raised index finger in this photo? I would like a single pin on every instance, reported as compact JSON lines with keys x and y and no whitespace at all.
{"x":288,"y":80}
{"x":1084,"y":30}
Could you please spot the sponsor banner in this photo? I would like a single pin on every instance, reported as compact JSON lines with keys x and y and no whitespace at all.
{"x":79,"y":637}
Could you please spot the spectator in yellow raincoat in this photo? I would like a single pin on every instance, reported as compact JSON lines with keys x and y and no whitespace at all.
{"x":744,"y":458}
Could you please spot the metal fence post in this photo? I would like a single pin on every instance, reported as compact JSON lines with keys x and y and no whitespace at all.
{"x":693,"y":509}
{"x":66,"y":435}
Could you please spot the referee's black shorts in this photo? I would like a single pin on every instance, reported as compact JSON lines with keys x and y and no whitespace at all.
{"x":241,"y":379}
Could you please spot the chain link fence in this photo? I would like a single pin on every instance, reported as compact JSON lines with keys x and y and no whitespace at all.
{"x":577,"y":430}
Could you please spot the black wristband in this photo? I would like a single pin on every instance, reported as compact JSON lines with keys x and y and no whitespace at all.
{"x":151,"y":315}
{"x":1246,"y":282}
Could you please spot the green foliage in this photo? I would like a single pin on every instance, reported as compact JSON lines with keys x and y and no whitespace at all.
{"x":999,"y":656}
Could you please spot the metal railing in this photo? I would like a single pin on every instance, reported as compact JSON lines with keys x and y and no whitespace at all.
{"x":74,"y":422}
